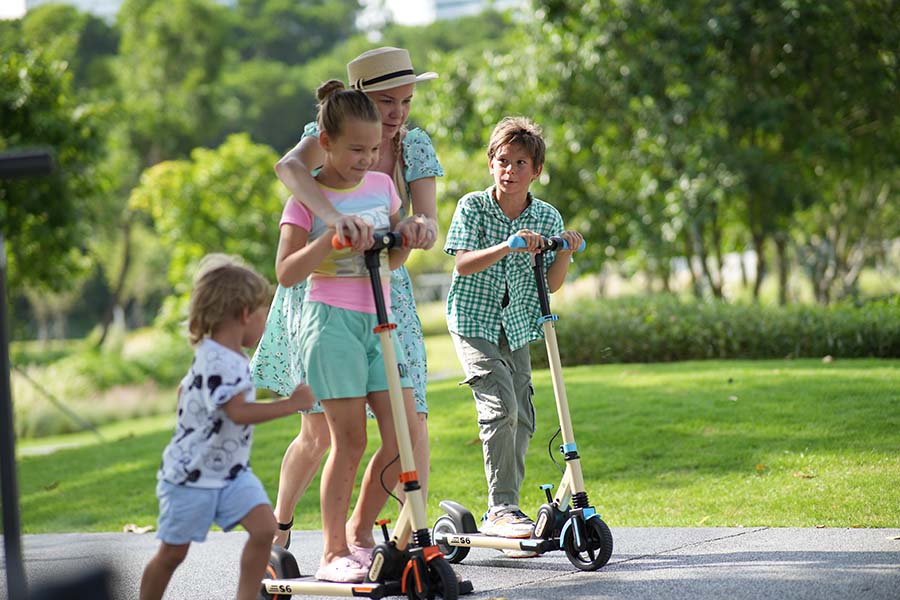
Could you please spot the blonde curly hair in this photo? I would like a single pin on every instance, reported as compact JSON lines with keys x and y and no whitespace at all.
{"x":223,"y":287}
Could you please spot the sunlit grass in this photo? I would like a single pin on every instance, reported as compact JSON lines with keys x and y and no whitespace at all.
{"x":718,"y":443}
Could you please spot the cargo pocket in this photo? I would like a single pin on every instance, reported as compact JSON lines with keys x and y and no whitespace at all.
{"x":488,"y":403}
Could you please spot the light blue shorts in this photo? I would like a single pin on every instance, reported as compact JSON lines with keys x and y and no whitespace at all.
{"x":341,"y":353}
{"x":186,"y":513}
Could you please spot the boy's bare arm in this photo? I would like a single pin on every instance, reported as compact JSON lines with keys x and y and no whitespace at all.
{"x":469,"y":262}
{"x":250,"y":413}
{"x":475,"y":261}
{"x":556,"y":274}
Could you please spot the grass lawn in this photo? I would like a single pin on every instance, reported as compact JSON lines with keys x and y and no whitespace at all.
{"x":719,"y":443}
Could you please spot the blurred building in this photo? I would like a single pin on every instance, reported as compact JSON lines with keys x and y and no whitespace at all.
{"x":450,"y":9}
{"x":105,"y":9}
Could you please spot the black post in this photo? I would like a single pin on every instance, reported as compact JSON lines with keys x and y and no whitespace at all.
{"x":16,"y":585}
{"x":35,"y":162}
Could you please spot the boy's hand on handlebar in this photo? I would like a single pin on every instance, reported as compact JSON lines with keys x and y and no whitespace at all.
{"x":533,"y":241}
{"x":418,"y":231}
{"x":302,"y":398}
{"x":574,"y":239}
{"x":356,"y":229}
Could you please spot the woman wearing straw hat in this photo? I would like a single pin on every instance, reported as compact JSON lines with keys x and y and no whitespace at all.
{"x":387,"y":76}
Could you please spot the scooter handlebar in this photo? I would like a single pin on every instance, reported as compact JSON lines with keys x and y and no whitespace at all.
{"x":391,"y":239}
{"x":552,"y":243}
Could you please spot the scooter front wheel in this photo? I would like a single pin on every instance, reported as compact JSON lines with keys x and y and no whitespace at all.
{"x":440,"y":581}
{"x":448,"y":526}
{"x":597,"y":549}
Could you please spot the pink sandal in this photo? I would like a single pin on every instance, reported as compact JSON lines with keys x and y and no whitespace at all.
{"x":344,"y":569}
{"x":361,"y":555}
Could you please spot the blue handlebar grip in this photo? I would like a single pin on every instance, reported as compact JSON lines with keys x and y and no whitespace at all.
{"x":515,"y":241}
{"x":561,"y":242}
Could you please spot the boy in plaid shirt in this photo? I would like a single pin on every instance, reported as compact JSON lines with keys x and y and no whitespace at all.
{"x":493,"y":310}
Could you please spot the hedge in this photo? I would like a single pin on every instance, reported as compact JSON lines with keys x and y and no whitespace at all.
{"x":667,"y":328}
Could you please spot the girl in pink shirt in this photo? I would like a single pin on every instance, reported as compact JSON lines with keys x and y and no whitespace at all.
{"x":340,"y":353}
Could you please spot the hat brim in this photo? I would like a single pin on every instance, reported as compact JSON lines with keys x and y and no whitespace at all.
{"x":398,"y":81}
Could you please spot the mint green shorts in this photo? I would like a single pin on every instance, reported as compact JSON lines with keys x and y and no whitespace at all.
{"x":341,"y":353}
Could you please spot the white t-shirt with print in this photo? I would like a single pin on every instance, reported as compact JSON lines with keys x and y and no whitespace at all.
{"x":208,"y":449}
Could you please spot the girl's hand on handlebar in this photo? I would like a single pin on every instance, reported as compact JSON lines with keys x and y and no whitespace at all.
{"x":418,"y":231}
{"x":533,"y":241}
{"x":356,"y":229}
{"x":574,"y":239}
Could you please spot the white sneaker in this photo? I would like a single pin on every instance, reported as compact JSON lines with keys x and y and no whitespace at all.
{"x":507,"y":521}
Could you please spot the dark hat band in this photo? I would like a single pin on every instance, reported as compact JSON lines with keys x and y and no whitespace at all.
{"x":363,"y":83}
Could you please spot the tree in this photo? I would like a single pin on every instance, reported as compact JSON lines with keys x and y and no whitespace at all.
{"x":293,"y":32}
{"x":269,"y":100}
{"x":221,"y":200}
{"x":85,"y":41}
{"x":170,"y":59}
{"x":749,"y":101}
{"x":47,"y":222}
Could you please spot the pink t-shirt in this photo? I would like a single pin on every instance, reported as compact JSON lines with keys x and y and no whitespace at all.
{"x":342,"y":279}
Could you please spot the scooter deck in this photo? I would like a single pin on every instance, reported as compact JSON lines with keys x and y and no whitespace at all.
{"x":481,"y":540}
{"x":311,"y":585}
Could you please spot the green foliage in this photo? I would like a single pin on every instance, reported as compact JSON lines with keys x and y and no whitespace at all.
{"x":99,"y":385}
{"x":26,"y":353}
{"x":47,"y":221}
{"x":667,"y":328}
{"x":170,"y":59}
{"x":659,"y":112}
{"x":85,"y":41}
{"x":221,"y":200}
{"x":292,"y":32}
{"x":275,"y":117}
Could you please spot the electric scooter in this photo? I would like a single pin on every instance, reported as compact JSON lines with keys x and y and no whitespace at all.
{"x":406,"y":562}
{"x":567,"y":520}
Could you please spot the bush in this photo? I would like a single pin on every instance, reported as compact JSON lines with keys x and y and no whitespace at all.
{"x":667,"y":328}
{"x":131,"y":378}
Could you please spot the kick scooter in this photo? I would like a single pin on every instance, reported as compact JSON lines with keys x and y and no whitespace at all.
{"x":406,"y":562}
{"x":577,"y":529}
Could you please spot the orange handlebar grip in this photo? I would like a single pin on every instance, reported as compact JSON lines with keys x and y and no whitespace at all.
{"x":339,"y":244}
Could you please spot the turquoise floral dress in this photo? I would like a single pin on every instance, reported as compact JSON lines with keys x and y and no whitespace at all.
{"x":276,"y":365}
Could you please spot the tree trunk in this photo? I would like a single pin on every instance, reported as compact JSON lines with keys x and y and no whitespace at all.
{"x":761,"y":267}
{"x":783,"y":267}
{"x":115,"y":299}
{"x":695,"y":279}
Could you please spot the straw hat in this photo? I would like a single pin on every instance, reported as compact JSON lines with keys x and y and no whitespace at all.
{"x":382,"y":69}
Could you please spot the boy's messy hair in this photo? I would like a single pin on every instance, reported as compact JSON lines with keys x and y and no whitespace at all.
{"x":337,"y":104}
{"x":521,"y":131}
{"x":223,"y":287}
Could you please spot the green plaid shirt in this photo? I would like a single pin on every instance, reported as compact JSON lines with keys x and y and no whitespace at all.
{"x":475,"y":302}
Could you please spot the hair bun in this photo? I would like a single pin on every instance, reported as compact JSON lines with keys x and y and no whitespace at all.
{"x":328,"y":88}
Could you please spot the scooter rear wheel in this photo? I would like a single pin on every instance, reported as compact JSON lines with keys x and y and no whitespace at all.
{"x":282,"y":565}
{"x":446,"y":525}
{"x":440,"y":581}
{"x":598,"y":546}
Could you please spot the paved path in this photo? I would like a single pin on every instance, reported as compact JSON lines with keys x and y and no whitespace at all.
{"x":662,"y":564}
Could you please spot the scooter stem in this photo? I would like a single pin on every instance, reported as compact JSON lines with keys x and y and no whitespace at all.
{"x":408,"y":475}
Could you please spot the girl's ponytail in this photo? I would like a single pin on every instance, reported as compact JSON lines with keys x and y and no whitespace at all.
{"x":337,"y":104}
